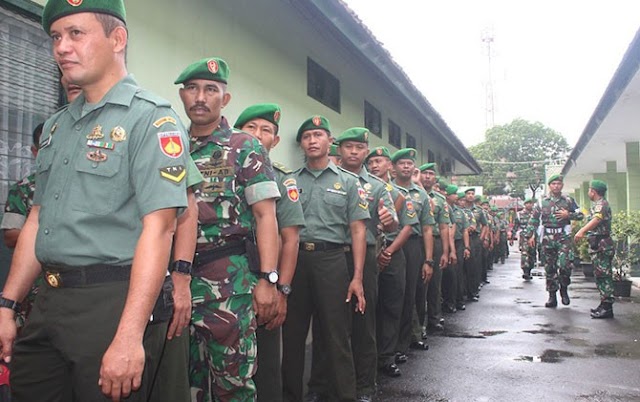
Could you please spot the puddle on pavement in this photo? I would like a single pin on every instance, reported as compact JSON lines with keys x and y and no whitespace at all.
{"x":516,"y":287}
{"x":628,"y":351}
{"x":569,"y":329}
{"x":542,"y":331}
{"x":576,"y":342}
{"x":492,"y":333}
{"x":543,"y":325}
{"x":461,"y":335}
{"x":548,"y":356}
{"x":520,"y":301}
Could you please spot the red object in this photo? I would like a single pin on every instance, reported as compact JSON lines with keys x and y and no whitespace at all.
{"x":4,"y":375}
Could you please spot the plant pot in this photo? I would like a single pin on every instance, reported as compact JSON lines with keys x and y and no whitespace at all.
{"x":622,"y":288}
{"x":587,"y":269}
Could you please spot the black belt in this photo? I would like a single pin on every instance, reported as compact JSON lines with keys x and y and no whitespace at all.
{"x":58,"y":276}
{"x":203,"y":257}
{"x":347,"y":247}
{"x":474,"y":234}
{"x":320,"y":246}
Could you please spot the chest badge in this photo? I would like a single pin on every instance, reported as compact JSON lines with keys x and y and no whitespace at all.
{"x":96,"y":133}
{"x":118,"y":134}
{"x":96,"y":156}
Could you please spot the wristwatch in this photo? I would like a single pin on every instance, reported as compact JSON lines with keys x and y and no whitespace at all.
{"x":181,"y":267}
{"x":8,"y":303}
{"x":271,"y":277}
{"x":429,"y":262}
{"x":284,"y":289}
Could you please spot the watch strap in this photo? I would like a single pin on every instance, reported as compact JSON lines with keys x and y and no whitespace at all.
{"x":181,"y":267}
{"x":8,"y":303}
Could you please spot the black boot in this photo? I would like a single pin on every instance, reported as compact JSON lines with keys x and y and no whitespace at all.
{"x":564,"y":295}
{"x":605,"y":310}
{"x":527,"y":274}
{"x":593,"y":310}
{"x":553,"y":301}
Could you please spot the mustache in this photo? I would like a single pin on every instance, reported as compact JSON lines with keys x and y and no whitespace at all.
{"x":200,"y":106}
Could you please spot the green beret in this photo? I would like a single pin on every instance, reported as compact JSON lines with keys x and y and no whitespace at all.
{"x":358,"y":134}
{"x":451,"y":189}
{"x":333,"y":150}
{"x":268,"y":111}
{"x":554,"y":178}
{"x":443,"y":183}
{"x":469,"y":189}
{"x":56,"y":9}
{"x":211,"y":68}
{"x":379,"y":151}
{"x":461,"y":194}
{"x":494,"y":208}
{"x":529,"y":200}
{"x":313,"y":123}
{"x":477,"y":198}
{"x":404,"y":153}
{"x":598,"y":185}
{"x":428,"y":166}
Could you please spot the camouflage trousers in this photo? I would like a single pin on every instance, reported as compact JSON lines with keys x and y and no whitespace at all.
{"x":222,"y":350}
{"x":602,"y":269}
{"x":556,"y":248}
{"x":527,"y":254}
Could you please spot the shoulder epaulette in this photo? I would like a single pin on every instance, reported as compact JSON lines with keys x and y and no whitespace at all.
{"x":377,"y":178}
{"x":153,"y":98}
{"x":279,"y":166}
{"x":437,"y":194}
{"x":346,"y":171}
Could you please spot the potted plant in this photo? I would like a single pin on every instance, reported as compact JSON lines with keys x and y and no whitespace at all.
{"x":625,"y":231}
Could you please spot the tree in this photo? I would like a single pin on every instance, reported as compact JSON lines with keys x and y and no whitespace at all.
{"x":513,"y":157}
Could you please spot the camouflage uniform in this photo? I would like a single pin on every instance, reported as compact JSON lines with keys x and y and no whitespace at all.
{"x":527,"y":253}
{"x":556,"y":239}
{"x":237,"y":174}
{"x":602,"y":253}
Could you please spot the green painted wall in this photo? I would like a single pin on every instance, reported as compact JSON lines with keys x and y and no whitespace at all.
{"x":633,"y":175}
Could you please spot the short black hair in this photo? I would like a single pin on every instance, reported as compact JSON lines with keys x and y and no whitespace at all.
{"x":601,"y":193}
{"x":35,"y":136}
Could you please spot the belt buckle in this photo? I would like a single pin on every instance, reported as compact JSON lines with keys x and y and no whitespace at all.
{"x":309,"y":247}
{"x":53,"y":279}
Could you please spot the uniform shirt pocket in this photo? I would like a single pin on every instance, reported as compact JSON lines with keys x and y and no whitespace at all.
{"x":96,"y":186}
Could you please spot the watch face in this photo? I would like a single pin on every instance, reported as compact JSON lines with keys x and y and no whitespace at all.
{"x":285,"y":289}
{"x":272,"y":277}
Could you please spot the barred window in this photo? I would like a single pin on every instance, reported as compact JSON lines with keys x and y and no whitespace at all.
{"x":323,"y":86}
{"x":395,"y":134}
{"x":372,"y":119}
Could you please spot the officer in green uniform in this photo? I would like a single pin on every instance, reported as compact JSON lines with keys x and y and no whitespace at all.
{"x":263,"y":122}
{"x":488,"y":237}
{"x":477,"y":231}
{"x":418,"y":249}
{"x":334,"y":204}
{"x":428,"y":172}
{"x":453,"y":278}
{"x":601,"y":247}
{"x":466,"y":266}
{"x":334,"y":154}
{"x":555,"y":214}
{"x":104,"y":211}
{"x":235,"y":203}
{"x":527,"y":253}
{"x":392,"y":264}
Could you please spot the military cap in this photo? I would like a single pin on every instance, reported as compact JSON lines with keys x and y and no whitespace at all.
{"x":268,"y":111}
{"x":477,"y":198}
{"x":451,"y":189}
{"x":598,"y":185}
{"x":470,"y":189}
{"x":211,"y":68}
{"x":554,"y":178}
{"x":428,"y":166}
{"x":443,"y":183}
{"x":483,"y":200}
{"x":56,"y":9}
{"x":494,"y":208}
{"x":404,"y":153}
{"x":529,"y":200}
{"x":357,"y":134}
{"x":379,"y":151}
{"x":461,"y":194}
{"x":333,"y":150}
{"x":313,"y":123}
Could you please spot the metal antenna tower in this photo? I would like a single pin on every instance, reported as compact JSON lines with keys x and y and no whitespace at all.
{"x":489,"y":117}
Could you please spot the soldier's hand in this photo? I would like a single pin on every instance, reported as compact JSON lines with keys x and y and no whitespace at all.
{"x":265,"y":301}
{"x":384,"y":259}
{"x":579,"y":236}
{"x":561,"y":214}
{"x":444,"y":261}
{"x":355,"y":289}
{"x":8,"y":332}
{"x":121,"y":368}
{"x":453,"y":258}
{"x":532,"y":242}
{"x":386,"y":217}
{"x":427,"y":273}
{"x":467,"y":254}
{"x":181,"y":304}
{"x":281,"y":313}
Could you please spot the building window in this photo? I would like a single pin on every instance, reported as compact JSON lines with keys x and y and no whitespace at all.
{"x":411,"y":141}
{"x":323,"y":86}
{"x":372,"y":119}
{"x":395,"y":136}
{"x":430,"y":157}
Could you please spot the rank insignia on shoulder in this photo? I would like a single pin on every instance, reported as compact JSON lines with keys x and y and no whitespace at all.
{"x":174,"y":174}
{"x":163,"y":120}
{"x":118,"y":134}
{"x":96,"y":133}
{"x":171,"y":143}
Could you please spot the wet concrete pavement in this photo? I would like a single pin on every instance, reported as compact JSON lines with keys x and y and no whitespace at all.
{"x":509,"y":347}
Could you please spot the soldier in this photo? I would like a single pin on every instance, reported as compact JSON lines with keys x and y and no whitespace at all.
{"x":441,"y":241}
{"x":238,"y":194}
{"x":479,"y":240}
{"x":334,"y":204}
{"x":527,"y":253}
{"x":418,"y":249}
{"x":598,"y":232}
{"x":555,"y":213}
{"x":263,"y":122}
{"x":334,"y":154}
{"x":392,"y":265}
{"x":453,"y":277}
{"x":104,"y":211}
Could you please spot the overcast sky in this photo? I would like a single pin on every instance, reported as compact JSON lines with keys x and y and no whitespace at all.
{"x":551,"y":60}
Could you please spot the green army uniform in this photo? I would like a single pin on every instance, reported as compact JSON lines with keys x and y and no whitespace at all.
{"x":363,"y":336}
{"x":477,"y":250}
{"x":487,"y":246}
{"x":556,"y":239}
{"x":527,"y":253}
{"x":601,"y":246}
{"x":454,"y":295}
{"x":418,"y":201}
{"x":100,"y":169}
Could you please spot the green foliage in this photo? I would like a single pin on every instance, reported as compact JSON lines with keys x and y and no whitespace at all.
{"x":519,"y":141}
{"x":582,"y":246}
{"x":625,"y":231}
